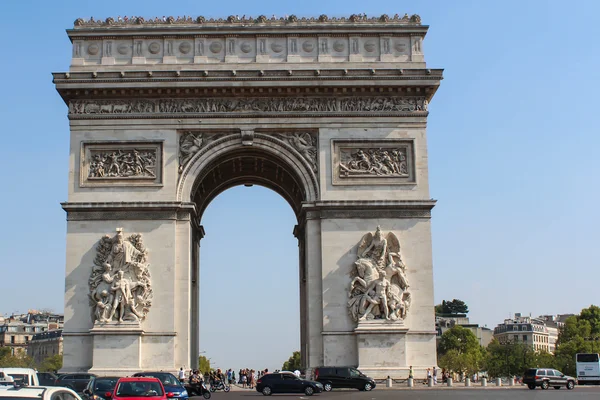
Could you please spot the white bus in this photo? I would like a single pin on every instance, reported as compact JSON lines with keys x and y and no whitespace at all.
{"x":588,"y":368}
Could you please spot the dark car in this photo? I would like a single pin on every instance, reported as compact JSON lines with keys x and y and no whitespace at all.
{"x":76,"y":382}
{"x":343,"y":377}
{"x":170,"y":383}
{"x":546,"y":377}
{"x":286,"y":383}
{"x":47,"y":378}
{"x":99,"y":386}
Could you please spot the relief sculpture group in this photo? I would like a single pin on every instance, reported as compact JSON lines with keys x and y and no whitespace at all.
{"x":379,"y":288}
{"x":120,"y":288}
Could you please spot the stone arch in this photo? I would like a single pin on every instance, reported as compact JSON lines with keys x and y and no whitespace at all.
{"x":277,"y":165}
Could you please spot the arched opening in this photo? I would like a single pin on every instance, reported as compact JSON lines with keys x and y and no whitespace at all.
{"x":262,"y":298}
{"x":249,"y":285}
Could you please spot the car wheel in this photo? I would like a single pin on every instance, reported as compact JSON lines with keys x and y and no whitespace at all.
{"x":531,"y":386}
{"x":266,"y":391}
{"x":556,"y":387}
{"x":309,"y":391}
{"x":368,"y":387}
{"x":206,"y":395}
{"x":327,"y":387}
{"x":570,"y":385}
{"x":545,"y":385}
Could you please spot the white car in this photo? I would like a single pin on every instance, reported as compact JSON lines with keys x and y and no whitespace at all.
{"x":37,"y":393}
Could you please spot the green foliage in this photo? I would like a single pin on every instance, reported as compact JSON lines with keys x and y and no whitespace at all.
{"x":580,"y":334}
{"x":51,"y":364}
{"x":204,"y":365}
{"x":452,"y":307}
{"x":459,"y":351}
{"x":19,"y":360}
{"x":294,"y":362}
{"x":512,"y":359}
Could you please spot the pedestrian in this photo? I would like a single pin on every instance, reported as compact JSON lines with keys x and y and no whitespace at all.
{"x":233,"y":376}
{"x":410,"y":373}
{"x":428,"y":375}
{"x":181,"y":375}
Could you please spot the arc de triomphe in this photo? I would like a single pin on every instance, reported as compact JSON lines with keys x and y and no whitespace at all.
{"x":330,"y":113}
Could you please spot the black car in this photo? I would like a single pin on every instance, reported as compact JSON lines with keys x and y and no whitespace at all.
{"x":47,"y":378}
{"x":286,"y":383}
{"x":76,"y":382}
{"x":343,"y":377}
{"x":99,"y":386}
{"x":546,"y":377}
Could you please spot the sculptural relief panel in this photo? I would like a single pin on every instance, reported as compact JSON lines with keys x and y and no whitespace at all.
{"x":121,"y":164}
{"x":120,"y":288}
{"x":373,"y":162}
{"x":379,"y":286}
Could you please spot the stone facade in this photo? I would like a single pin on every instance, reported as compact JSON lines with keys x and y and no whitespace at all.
{"x":540,"y":333}
{"x":45,"y":344}
{"x":17,"y":331}
{"x":329,"y":113}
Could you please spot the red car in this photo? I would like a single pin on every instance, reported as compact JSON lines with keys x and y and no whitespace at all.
{"x":138,"y":389}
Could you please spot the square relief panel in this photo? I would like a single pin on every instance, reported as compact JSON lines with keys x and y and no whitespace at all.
{"x":373,"y":162}
{"x":117,"y":163}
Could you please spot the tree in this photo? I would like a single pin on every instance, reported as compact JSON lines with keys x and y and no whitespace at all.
{"x":459,"y":351}
{"x":293,"y":363}
{"x":579,"y":334}
{"x":51,"y":364}
{"x":452,"y":307}
{"x":19,"y":360}
{"x":204,"y":365}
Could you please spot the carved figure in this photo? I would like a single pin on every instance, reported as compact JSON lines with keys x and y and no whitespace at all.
{"x":190,"y":143}
{"x":379,"y":288}
{"x":305,"y":144}
{"x":120,"y":287}
{"x":378,"y":162}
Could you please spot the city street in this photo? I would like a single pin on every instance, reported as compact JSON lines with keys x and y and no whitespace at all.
{"x":579,"y":393}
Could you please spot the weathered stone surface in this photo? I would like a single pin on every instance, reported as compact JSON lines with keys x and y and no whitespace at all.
{"x":330,"y":113}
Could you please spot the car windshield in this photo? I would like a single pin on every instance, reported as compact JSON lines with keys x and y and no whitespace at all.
{"x":139,"y":389}
{"x":355,"y":372}
{"x":20,"y":378}
{"x":105,"y":385}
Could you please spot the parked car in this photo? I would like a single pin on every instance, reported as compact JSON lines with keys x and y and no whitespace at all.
{"x":343,"y":377}
{"x":37,"y":393}
{"x":77,"y":382}
{"x":22,"y":376}
{"x":286,"y":383}
{"x":99,"y":386}
{"x":47,"y":378}
{"x":546,"y":377}
{"x":140,"y":388}
{"x":169,"y":382}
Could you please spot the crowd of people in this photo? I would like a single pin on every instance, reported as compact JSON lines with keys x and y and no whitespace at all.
{"x":246,"y":378}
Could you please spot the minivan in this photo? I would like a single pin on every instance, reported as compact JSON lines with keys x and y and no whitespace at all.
{"x":343,"y":377}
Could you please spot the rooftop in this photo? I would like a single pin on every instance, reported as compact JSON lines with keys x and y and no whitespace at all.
{"x":246,"y":20}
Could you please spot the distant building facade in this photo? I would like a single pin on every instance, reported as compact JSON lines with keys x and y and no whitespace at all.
{"x":17,"y":331}
{"x":45,"y":344}
{"x":445,"y":322}
{"x":540,"y":333}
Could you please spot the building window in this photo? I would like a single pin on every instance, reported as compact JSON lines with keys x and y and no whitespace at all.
{"x":516,"y":338}
{"x":12,"y":340}
{"x":26,"y":339}
{"x":524,"y":338}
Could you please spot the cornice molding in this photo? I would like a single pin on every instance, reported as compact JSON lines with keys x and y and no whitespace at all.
{"x":159,"y":210}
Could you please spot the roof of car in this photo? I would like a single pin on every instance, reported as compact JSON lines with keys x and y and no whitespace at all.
{"x":139,"y":379}
{"x":17,"y":370}
{"x":32,"y":391}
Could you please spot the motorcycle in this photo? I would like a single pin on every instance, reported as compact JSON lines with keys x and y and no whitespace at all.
{"x":198,"y":389}
{"x":219,"y":385}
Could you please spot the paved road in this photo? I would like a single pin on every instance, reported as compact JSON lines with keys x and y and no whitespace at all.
{"x":580,"y":393}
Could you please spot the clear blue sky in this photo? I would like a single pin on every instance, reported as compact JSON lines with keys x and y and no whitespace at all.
{"x":513,"y":144}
